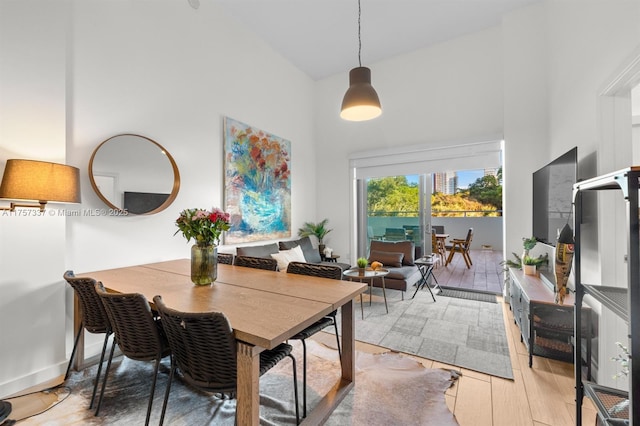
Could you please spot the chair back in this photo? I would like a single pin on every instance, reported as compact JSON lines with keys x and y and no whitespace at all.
{"x":256,"y":262}
{"x":138,"y":335}
{"x":94,"y":316}
{"x":434,"y":242}
{"x":315,"y":270}
{"x":225,"y":258}
{"x":203,"y":347}
{"x":467,"y":241}
{"x":438,"y":228}
{"x":395,"y":234}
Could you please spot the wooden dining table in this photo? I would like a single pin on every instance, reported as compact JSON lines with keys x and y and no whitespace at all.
{"x":265,"y":308}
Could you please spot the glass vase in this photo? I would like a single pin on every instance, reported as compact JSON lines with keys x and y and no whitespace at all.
{"x":204,"y":264}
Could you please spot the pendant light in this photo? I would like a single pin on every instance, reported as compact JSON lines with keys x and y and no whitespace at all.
{"x":361,"y":101}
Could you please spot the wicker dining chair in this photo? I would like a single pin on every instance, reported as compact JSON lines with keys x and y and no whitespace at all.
{"x":225,"y":258}
{"x":256,"y":262}
{"x":138,"y":334}
{"x":94,"y":319}
{"x":322,"y":271}
{"x":204,"y":349}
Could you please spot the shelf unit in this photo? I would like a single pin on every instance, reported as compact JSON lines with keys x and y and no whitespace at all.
{"x":623,"y":302}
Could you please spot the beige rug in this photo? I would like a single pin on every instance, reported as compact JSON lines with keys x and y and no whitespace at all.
{"x":391,"y":389}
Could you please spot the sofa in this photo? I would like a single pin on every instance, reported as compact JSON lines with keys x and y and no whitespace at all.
{"x":398,"y":257}
{"x":311,"y":253}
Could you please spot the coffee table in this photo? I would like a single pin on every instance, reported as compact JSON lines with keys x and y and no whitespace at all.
{"x":367,"y":277}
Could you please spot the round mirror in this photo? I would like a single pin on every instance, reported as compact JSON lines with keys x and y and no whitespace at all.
{"x":135,"y":174}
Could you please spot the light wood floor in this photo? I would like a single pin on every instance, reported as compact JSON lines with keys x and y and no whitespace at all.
{"x":484,"y":275}
{"x":541,"y":395}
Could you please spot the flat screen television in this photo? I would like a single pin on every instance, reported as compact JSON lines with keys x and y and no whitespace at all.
{"x":143,"y":202}
{"x":553,"y":196}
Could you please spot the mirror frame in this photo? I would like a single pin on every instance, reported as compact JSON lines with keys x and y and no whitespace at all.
{"x":174,"y":166}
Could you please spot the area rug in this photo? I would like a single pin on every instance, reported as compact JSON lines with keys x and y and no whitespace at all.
{"x":465,"y":333}
{"x":466,"y":294}
{"x":391,"y":389}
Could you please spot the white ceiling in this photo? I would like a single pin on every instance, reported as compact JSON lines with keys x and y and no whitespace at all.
{"x":321,"y":36}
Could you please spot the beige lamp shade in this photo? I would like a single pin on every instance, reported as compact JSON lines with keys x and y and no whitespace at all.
{"x":40,"y":181}
{"x":361,"y":101}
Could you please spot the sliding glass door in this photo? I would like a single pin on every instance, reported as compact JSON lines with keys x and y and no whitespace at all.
{"x":394,"y":208}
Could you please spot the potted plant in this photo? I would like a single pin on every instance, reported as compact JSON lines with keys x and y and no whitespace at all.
{"x":529,"y":264}
{"x":319,"y":229}
{"x":362,"y":263}
{"x":525,"y":262}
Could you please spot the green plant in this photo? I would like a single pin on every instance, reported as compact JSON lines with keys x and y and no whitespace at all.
{"x":362,"y":262}
{"x":319,"y":229}
{"x":537,"y":261}
{"x":529,"y":243}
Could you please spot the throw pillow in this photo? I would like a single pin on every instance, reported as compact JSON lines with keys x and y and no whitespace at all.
{"x":283,"y":257}
{"x":386,"y":258}
{"x":311,"y":253}
{"x":406,"y":247}
{"x":258,"y":251}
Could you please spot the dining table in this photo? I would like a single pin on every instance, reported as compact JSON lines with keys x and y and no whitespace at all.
{"x":264,"y":308}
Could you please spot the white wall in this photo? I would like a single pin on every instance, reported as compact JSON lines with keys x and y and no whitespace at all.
{"x":74,"y":73}
{"x":32,"y":257}
{"x":448,"y":92}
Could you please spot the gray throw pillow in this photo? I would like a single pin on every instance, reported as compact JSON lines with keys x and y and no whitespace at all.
{"x":258,"y":251}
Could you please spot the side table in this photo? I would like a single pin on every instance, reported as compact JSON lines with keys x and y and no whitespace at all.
{"x":368,"y":277}
{"x":425,"y":266}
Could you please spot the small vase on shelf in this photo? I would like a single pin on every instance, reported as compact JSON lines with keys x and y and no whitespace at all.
{"x":204,"y":264}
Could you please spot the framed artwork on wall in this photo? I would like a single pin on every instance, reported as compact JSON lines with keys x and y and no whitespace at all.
{"x":257,"y":183}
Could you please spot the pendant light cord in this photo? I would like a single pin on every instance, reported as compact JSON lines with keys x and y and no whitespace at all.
{"x":359,"y":37}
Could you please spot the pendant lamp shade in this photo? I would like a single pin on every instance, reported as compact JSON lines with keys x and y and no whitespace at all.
{"x":361,"y":101}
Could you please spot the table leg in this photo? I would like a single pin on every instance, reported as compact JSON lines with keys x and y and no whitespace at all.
{"x":248,"y":382}
{"x":384,"y":293}
{"x":332,"y":399}
{"x":348,"y":341}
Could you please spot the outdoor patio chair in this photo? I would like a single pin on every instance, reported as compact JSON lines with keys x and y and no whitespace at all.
{"x":395,"y":234}
{"x":462,"y":247}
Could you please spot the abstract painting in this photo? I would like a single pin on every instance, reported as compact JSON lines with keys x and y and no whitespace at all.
{"x":257,"y":183}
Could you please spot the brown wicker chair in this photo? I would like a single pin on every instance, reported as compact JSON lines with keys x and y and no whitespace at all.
{"x":204,"y":349}
{"x":256,"y":262}
{"x":138,"y":334}
{"x":322,"y":271}
{"x":94,"y":320}
{"x":225,"y":258}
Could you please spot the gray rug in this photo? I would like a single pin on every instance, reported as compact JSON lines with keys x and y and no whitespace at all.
{"x":465,"y":333}
{"x":391,"y":389}
{"x":470,"y":295}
